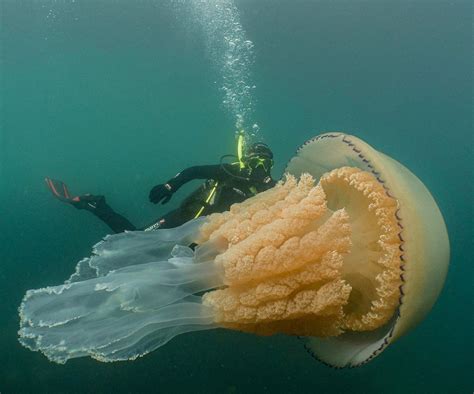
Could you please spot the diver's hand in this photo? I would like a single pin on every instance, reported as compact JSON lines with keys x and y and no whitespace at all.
{"x":161,"y":193}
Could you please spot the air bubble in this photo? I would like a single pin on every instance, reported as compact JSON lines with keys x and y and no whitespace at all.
{"x":232,"y":55}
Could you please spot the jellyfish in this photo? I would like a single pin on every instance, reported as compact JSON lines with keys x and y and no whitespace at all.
{"x":348,"y":252}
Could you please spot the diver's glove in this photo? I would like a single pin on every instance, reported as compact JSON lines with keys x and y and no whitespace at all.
{"x":161,"y":193}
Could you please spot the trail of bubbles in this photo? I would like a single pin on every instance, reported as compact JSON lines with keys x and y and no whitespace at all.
{"x":233,"y":57}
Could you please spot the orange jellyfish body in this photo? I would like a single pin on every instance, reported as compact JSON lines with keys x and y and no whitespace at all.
{"x":309,"y":260}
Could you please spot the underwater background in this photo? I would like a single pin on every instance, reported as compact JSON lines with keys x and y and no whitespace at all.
{"x":114,"y":97}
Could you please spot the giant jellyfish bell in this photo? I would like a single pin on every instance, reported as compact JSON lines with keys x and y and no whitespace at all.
{"x":422,"y":241}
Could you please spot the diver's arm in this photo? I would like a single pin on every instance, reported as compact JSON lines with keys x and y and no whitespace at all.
{"x":216,"y":172}
{"x":162,"y":193}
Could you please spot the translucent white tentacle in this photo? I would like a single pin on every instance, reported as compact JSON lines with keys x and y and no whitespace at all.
{"x":113,"y":311}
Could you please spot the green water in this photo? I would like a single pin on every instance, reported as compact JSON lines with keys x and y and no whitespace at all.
{"x":116,"y":96}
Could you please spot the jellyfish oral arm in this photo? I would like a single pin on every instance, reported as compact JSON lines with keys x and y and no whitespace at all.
{"x":125,"y":313}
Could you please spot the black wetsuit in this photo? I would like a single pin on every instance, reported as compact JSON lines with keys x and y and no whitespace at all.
{"x":225,"y":185}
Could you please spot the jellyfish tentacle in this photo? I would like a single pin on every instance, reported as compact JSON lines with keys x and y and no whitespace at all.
{"x":126,"y":312}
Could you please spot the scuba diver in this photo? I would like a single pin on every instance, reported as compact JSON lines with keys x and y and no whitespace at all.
{"x":225,"y":184}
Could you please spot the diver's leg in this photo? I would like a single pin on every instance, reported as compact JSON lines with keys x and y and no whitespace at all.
{"x":91,"y":203}
{"x":97,"y":206}
{"x":171,"y":219}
